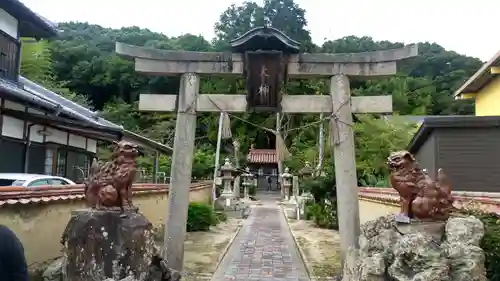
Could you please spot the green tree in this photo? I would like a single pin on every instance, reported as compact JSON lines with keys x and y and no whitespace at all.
{"x":284,"y":15}
{"x":36,"y":58}
{"x":376,"y":138}
{"x":84,"y":64}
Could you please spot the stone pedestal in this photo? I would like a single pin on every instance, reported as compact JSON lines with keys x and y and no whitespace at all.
{"x":434,"y":229}
{"x":247,"y":183}
{"x":295,"y":190}
{"x":290,"y":203}
{"x":228,"y":201}
{"x":286,"y":183}
{"x":236,"y":187}
{"x":421,"y":250}
{"x":227,"y":177}
{"x":292,"y":211}
{"x":304,"y":198}
{"x":107,"y":244}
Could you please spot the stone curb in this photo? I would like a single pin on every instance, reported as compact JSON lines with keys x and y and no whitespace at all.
{"x":304,"y":258}
{"x":226,"y":249}
{"x":379,"y":201}
{"x":301,"y":252}
{"x":198,"y":276}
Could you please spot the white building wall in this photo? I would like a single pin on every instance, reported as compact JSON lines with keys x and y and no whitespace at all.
{"x":35,"y":136}
{"x":56,"y":136}
{"x":77,"y":141}
{"x":15,"y":106}
{"x":14,"y":128}
{"x":8,"y":24}
{"x":92,"y":145}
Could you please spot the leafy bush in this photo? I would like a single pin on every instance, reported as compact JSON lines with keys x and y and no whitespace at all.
{"x":321,"y":188}
{"x":200,"y":217}
{"x":375,"y":139}
{"x":490,"y":243}
{"x":309,"y":210}
{"x":324,"y":209}
{"x":324,"y":215}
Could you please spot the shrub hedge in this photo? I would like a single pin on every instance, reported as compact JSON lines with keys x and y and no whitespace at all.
{"x":323,"y":215}
{"x":490,"y":243}
{"x":200,"y":217}
{"x":324,"y":209}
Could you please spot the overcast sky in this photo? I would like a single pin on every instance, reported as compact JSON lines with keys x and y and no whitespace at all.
{"x":462,"y":26}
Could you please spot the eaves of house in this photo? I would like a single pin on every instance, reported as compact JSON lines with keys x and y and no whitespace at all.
{"x":28,"y":92}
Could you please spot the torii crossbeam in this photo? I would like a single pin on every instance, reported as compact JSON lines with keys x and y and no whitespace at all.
{"x":246,"y":61}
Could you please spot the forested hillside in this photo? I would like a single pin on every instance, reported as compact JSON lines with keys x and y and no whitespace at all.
{"x":82,"y":65}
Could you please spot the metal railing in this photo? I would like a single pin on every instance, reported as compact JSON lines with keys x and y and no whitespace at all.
{"x":145,"y":176}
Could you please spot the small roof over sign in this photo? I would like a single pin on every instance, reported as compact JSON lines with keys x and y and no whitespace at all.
{"x":265,"y":39}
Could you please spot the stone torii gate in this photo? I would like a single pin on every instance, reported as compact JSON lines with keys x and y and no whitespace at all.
{"x":266,"y":58}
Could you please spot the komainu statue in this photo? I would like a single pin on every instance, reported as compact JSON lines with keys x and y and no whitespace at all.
{"x":110,"y":184}
{"x":420,"y":196}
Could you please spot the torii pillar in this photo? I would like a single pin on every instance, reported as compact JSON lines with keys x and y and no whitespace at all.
{"x":282,"y":57}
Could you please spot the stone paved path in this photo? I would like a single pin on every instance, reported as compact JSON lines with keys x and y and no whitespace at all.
{"x":263,"y":250}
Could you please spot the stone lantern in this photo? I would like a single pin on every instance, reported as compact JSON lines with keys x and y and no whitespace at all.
{"x":307,"y":170}
{"x":227,"y":171}
{"x":286,"y":181}
{"x":247,"y":182}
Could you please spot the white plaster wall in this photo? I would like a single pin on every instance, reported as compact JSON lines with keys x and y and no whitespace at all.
{"x":20,"y":107}
{"x":56,"y":136}
{"x":12,"y":127}
{"x":77,"y":141}
{"x":8,"y":23}
{"x":15,"y":106}
{"x":34,"y":135}
{"x":92,"y":145}
{"x":36,"y":111}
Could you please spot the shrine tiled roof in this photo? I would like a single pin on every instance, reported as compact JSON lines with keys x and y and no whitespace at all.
{"x":264,"y":156}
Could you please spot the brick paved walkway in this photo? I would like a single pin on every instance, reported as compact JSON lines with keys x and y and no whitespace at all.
{"x":263,"y":250}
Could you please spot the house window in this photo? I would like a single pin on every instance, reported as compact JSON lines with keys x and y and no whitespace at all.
{"x":73,"y":164}
{"x":36,"y":159}
{"x":12,"y":160}
{"x":61,"y":162}
{"x":9,"y":56}
{"x":49,"y":161}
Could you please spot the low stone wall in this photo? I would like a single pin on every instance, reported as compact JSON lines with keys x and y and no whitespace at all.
{"x":376,"y":202}
{"x":371,"y":210}
{"x":39,"y":215}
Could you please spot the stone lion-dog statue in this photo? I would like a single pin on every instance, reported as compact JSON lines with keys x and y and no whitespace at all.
{"x":109,"y":185}
{"x":420,"y":196}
